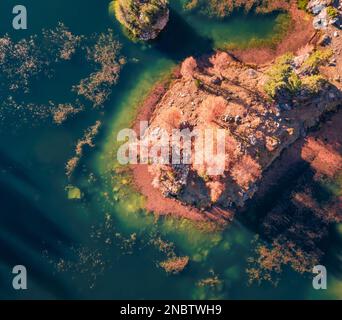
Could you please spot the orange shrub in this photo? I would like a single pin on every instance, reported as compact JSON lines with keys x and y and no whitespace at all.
{"x":188,"y":68}
{"x":246,"y":171}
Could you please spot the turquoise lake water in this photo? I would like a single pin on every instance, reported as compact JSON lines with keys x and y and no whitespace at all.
{"x":101,"y":247}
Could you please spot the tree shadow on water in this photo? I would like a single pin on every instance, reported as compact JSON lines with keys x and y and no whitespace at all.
{"x":25,"y":232}
{"x":180,"y":40}
{"x":293,"y":211}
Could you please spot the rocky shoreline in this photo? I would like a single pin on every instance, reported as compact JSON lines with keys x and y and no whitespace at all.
{"x":144,"y":20}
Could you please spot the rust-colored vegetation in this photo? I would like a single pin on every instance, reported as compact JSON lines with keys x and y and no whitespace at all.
{"x":174,"y":265}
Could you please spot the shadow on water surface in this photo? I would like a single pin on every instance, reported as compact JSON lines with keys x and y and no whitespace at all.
{"x":334,"y":255}
{"x":21,"y":237}
{"x":258,"y":207}
{"x":20,"y":173}
{"x":25,"y":231}
{"x":180,"y":40}
{"x":275,"y":214}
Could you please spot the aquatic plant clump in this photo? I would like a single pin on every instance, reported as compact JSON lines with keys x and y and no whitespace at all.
{"x":19,"y":63}
{"x":37,"y":57}
{"x":22,"y":61}
{"x":62,"y":43}
{"x":105,"y":54}
{"x":175,"y":265}
{"x":87,"y":140}
{"x":270,"y":260}
{"x":143,"y":19}
{"x":62,"y":112}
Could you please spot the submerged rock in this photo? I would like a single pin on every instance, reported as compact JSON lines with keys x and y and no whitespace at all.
{"x":74,"y":193}
{"x":144,"y":19}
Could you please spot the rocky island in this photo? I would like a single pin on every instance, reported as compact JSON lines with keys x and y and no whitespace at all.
{"x":263,"y":109}
{"x":143,"y":19}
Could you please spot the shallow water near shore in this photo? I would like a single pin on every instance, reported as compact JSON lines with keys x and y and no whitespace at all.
{"x":102,"y":246}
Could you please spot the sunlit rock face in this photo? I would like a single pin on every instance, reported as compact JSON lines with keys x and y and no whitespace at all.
{"x":144,"y":19}
{"x":326,"y":13}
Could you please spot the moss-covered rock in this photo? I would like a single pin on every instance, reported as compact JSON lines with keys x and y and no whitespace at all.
{"x":144,"y":19}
